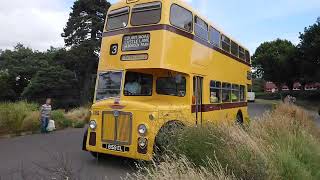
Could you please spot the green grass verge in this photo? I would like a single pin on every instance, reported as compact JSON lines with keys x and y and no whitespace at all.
{"x":24,"y":116}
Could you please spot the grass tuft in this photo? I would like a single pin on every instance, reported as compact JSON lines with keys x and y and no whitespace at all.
{"x":282,"y":144}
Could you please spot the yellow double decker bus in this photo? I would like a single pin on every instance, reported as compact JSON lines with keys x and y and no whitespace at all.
{"x":162,"y":64}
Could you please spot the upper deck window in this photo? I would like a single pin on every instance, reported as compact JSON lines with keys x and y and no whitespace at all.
{"x":181,"y":17}
{"x":225,"y":43}
{"x":241,"y":53}
{"x":148,"y":13}
{"x":118,"y":19}
{"x":214,"y":36}
{"x":248,"y":56}
{"x":201,"y":28}
{"x":234,"y":49}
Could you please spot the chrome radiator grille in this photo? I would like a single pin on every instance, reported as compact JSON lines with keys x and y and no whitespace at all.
{"x":116,"y":127}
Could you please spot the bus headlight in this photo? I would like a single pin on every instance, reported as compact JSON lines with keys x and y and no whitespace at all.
{"x":142,"y":130}
{"x":143,"y":142}
{"x":93,"y":124}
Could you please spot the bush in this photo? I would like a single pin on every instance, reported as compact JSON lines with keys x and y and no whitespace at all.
{"x":79,"y":124}
{"x":300,"y":95}
{"x":12,"y":115}
{"x":79,"y":114}
{"x":23,"y":116}
{"x":31,"y":122}
{"x":60,"y":120}
{"x":283,"y":144}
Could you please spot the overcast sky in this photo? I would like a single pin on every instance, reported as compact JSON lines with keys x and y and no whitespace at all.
{"x":39,"y":23}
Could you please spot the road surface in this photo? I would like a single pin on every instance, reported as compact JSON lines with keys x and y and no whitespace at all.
{"x":40,"y":156}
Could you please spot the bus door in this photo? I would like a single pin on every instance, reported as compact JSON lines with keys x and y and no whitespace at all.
{"x":198,"y":95}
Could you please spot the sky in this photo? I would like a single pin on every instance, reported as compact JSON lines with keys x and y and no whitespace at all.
{"x":39,"y":23}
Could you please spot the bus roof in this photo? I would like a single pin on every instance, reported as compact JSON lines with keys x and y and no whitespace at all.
{"x":194,"y":12}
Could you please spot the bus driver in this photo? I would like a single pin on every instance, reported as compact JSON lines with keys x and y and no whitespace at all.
{"x":132,"y":87}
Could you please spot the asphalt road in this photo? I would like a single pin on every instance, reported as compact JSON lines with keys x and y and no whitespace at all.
{"x":41,"y":156}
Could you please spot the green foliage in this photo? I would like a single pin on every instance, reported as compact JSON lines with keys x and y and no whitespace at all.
{"x":55,"y":82}
{"x":79,"y":124}
{"x":309,"y":48}
{"x":60,"y":120}
{"x":217,"y":142}
{"x":74,"y":69}
{"x":276,"y":61}
{"x":6,"y":91}
{"x":12,"y":116}
{"x":283,"y":144}
{"x":258,"y":85}
{"x":21,"y":64}
{"x":83,"y":32}
{"x":86,"y":20}
{"x":300,"y":95}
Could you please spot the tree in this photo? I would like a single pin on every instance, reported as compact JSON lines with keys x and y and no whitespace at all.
{"x":309,"y":49}
{"x":83,"y":33}
{"x":21,"y":65}
{"x":276,"y":61}
{"x":6,"y":91}
{"x":53,"y":82}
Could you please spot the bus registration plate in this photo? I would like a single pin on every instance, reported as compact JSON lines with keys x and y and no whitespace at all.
{"x":115,"y":147}
{"x":136,"y":42}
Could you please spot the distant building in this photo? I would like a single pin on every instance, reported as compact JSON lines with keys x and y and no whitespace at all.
{"x":270,"y":87}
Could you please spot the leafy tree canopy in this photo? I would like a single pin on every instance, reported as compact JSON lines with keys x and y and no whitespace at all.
{"x":275,"y":61}
{"x":55,"y":82}
{"x":309,"y":48}
{"x":85,"y":24}
{"x":83,"y":32}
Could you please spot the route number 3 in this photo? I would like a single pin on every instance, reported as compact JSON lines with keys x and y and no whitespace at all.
{"x":114,"y":49}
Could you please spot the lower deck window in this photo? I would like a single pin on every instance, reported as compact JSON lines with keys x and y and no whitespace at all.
{"x":171,"y":86}
{"x":242,"y":93}
{"x":215,"y":92}
{"x":138,"y":84}
{"x":235,"y":93}
{"x":108,"y":85}
{"x":226,"y":92}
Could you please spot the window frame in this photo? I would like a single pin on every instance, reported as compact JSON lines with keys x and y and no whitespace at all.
{"x":247,"y":55}
{"x":229,"y":89}
{"x":156,"y":84}
{"x":196,"y":19}
{"x":106,"y":24}
{"x":132,"y":11}
{"x":242,"y":52}
{"x":124,"y":84}
{"x":244,"y":93}
{"x":231,"y":48}
{"x":183,"y":29}
{"x":211,"y":42}
{"x":226,"y":37}
{"x":233,"y":89}
{"x":97,"y":85}
{"x":215,"y":87}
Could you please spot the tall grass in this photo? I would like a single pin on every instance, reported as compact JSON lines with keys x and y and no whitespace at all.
{"x":24,"y":116}
{"x":283,"y":144}
{"x":12,"y":115}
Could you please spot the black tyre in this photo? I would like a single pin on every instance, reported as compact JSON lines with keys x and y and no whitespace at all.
{"x":162,"y":140}
{"x":239,"y":118}
{"x":84,"y":142}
